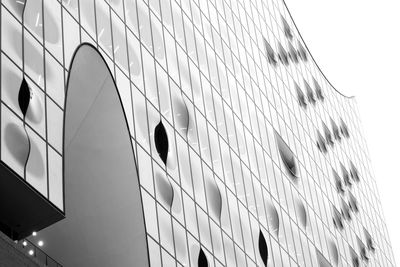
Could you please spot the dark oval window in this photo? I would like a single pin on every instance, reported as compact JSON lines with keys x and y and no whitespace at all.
{"x":318,"y":90}
{"x":161,"y":141}
{"x":287,"y":156}
{"x":24,"y":96}
{"x":321,"y":142}
{"x":286,"y":28}
{"x":263,"y":248}
{"x":202,"y":260}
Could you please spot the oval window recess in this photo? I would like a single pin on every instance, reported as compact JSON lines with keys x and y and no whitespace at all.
{"x":161,"y":141}
{"x":345,"y":210}
{"x":202,"y":259}
{"x":335,"y":130}
{"x":322,"y":261}
{"x":181,"y":114}
{"x":328,"y":135}
{"x":310,"y":93}
{"x":353,"y":203}
{"x":293,"y":53}
{"x":283,"y":56}
{"x":24,"y":97}
{"x":337,"y":219}
{"x":354,"y":257}
{"x":333,"y":251}
{"x":287,"y":156}
{"x":17,"y":142}
{"x":214,"y":198}
{"x":344,"y":129}
{"x":273,"y":218}
{"x":270,"y":53}
{"x":318,"y":90}
{"x":338,"y":182}
{"x":302,"y":51}
{"x":370,"y":242}
{"x":164,"y":188}
{"x":300,"y":96}
{"x":286,"y":28}
{"x":321,"y":142}
{"x":363,"y":250}
{"x":354,"y":172}
{"x":346,"y":176}
{"x":263,"y":248}
{"x":301,"y":212}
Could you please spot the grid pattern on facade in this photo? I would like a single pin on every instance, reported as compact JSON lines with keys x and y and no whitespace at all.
{"x":201,"y":70}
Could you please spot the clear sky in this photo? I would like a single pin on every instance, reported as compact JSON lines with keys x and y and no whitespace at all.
{"x":357,"y":45}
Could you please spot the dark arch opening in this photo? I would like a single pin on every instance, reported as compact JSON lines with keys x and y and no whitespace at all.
{"x":263,"y":248}
{"x":104,"y":224}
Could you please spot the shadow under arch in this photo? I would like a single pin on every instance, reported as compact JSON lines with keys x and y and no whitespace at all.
{"x":104,"y":224}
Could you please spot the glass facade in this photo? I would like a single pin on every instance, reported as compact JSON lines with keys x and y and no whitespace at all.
{"x":246,"y":154}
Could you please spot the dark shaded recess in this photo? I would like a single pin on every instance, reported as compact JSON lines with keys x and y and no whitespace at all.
{"x":344,"y":129}
{"x":283,"y":56}
{"x":270,"y":53}
{"x":353,"y":203}
{"x":318,"y":90}
{"x":310,"y":93}
{"x":337,"y":219}
{"x":293,"y":53}
{"x":24,"y":96}
{"x":338,"y":182}
{"x":345,"y":210}
{"x":370,"y":242}
{"x":300,"y":96}
{"x":263,"y":248}
{"x":202,"y":260}
{"x":287,"y":29}
{"x":321,"y":143}
{"x":328,"y":135}
{"x":287,"y":156}
{"x":335,"y":129}
{"x":346,"y":176}
{"x":302,"y":52}
{"x":161,"y":140}
{"x":354,"y":172}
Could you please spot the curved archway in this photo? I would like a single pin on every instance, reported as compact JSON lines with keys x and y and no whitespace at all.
{"x":104,"y":223}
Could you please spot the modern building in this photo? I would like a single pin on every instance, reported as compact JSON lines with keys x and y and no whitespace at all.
{"x":178,"y":133}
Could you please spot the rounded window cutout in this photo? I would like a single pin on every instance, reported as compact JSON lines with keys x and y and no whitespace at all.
{"x":287,"y":29}
{"x":287,"y":156}
{"x":273,"y":218}
{"x":321,"y":142}
{"x":302,"y":51}
{"x":202,"y":259}
{"x":301,"y":212}
{"x":263,"y":248}
{"x":161,"y":141}
{"x":334,"y":252}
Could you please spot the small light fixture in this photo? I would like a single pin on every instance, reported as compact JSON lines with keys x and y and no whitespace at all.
{"x":24,"y":243}
{"x":40,"y":243}
{"x":31,"y":252}
{"x":34,"y":233}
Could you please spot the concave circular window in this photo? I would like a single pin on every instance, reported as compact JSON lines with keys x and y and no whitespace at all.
{"x":328,"y":135}
{"x":301,"y":212}
{"x":287,"y":156}
{"x":354,"y":172}
{"x":344,"y":129}
{"x":302,"y":51}
{"x":318,"y":90}
{"x":333,"y":251}
{"x":286,"y":28}
{"x":335,"y":130}
{"x":338,"y":182}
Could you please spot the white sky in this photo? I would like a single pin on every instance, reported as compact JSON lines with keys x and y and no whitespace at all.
{"x":356,"y":44}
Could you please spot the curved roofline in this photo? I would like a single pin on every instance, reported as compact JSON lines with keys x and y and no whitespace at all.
{"x":309,"y":52}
